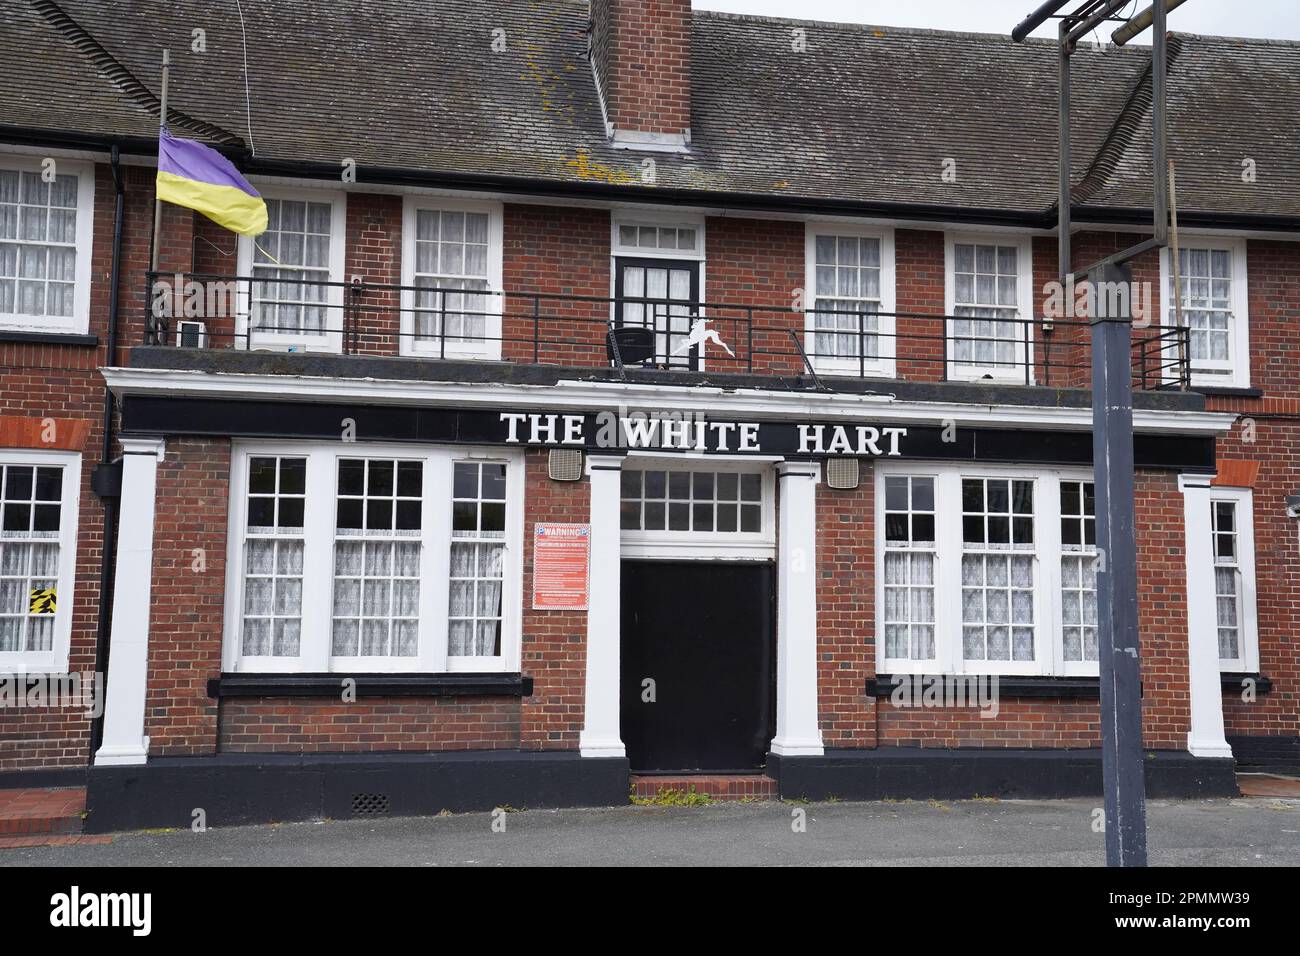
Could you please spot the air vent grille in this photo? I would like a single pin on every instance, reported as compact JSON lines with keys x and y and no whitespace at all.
{"x":842,"y":473}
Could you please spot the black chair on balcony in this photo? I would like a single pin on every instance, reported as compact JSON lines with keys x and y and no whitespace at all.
{"x":630,"y":345}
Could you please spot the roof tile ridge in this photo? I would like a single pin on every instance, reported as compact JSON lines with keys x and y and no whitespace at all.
{"x":123,"y":79}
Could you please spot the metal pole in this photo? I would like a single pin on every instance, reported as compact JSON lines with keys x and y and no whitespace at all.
{"x":1175,"y":270}
{"x":1041,"y":15}
{"x":162,"y":125}
{"x":1159,"y":170}
{"x":1063,"y":152}
{"x":1123,"y":773}
{"x":1140,"y":22}
{"x":1123,"y":779}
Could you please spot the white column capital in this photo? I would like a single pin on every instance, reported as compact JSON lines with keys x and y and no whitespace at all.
{"x":149,"y":445}
{"x":799,"y":469}
{"x":604,"y":463}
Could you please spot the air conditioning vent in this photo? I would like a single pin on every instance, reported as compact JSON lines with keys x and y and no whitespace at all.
{"x":565,"y":464}
{"x":191,"y":335}
{"x":842,"y":473}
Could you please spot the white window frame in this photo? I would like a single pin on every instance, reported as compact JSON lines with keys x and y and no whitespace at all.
{"x":79,"y":322}
{"x":1082,"y":667}
{"x":318,"y":560}
{"x":884,"y":365}
{"x":1247,"y":606}
{"x":332,"y":341}
{"x":660,"y":219}
{"x":55,"y":660}
{"x":489,"y":349}
{"x":1234,"y":373}
{"x":1048,"y":641}
{"x":704,"y":545}
{"x":638,"y":217}
{"x":1024,"y":307}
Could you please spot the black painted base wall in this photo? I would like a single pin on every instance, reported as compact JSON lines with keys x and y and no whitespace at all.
{"x":920,"y":774}
{"x":1276,"y":753}
{"x":55,"y":777}
{"x":238,"y":789}
{"x":235,"y":789}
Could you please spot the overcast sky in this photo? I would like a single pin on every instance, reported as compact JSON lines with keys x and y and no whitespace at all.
{"x":1250,"y":18}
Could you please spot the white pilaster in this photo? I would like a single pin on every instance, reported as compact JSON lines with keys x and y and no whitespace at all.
{"x":797,"y":733}
{"x":600,"y":731}
{"x":128,"y":660}
{"x":1205,"y":739}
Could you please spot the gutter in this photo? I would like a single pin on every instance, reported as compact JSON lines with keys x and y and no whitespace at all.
{"x":1130,"y":215}
{"x":107,"y":478}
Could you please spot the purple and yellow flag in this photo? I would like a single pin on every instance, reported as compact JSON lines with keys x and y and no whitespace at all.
{"x":198,"y":177}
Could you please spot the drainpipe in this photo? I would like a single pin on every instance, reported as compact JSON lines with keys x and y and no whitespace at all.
{"x":107,"y":478}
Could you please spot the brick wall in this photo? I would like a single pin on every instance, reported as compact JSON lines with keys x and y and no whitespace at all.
{"x":187,"y":596}
{"x":758,"y":263}
{"x":642,"y":54}
{"x":556,"y":251}
{"x":374,"y":252}
{"x":294,"y":725}
{"x":919,"y":289}
{"x":846,"y":612}
{"x":1162,"y":610}
{"x":554,"y":642}
{"x":63,"y":382}
{"x":1267,"y":433}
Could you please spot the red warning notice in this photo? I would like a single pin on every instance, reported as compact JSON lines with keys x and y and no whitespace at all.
{"x":561,"y":566}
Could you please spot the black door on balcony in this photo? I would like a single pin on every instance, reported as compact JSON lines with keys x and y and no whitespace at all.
{"x":697,"y":691}
{"x":673,"y":288}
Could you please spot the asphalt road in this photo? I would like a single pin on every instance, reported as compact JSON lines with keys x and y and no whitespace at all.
{"x":1244,"y":832}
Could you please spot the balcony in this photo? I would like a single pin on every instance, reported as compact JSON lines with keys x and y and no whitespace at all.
{"x":651,"y":339}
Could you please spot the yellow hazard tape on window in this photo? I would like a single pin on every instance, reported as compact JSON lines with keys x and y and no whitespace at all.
{"x":42,"y":601}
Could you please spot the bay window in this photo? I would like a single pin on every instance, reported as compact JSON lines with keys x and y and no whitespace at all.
{"x":46,"y":209}
{"x":39,"y":494}
{"x":373,"y":558}
{"x":985,"y":571}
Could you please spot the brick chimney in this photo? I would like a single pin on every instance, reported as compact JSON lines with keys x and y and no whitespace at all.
{"x":641,"y":57}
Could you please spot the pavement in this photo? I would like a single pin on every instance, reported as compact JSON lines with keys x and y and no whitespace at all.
{"x":1259,"y":831}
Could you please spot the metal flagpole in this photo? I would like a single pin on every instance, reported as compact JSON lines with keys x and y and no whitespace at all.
{"x":1123,"y":771}
{"x":1175,"y":271}
{"x":162,"y":124}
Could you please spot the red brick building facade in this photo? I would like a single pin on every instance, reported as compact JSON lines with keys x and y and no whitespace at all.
{"x":334,"y":452}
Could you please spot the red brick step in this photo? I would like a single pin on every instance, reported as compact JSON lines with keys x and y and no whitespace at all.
{"x":41,"y":812}
{"x":715,"y":786}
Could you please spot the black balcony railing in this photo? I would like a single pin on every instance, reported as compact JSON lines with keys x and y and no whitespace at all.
{"x":278,"y":312}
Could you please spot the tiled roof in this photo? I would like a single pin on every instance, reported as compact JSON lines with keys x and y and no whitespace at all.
{"x":865,"y":114}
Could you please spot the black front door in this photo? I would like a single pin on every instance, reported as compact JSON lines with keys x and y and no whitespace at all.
{"x":664,"y":296}
{"x":697,"y":688}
